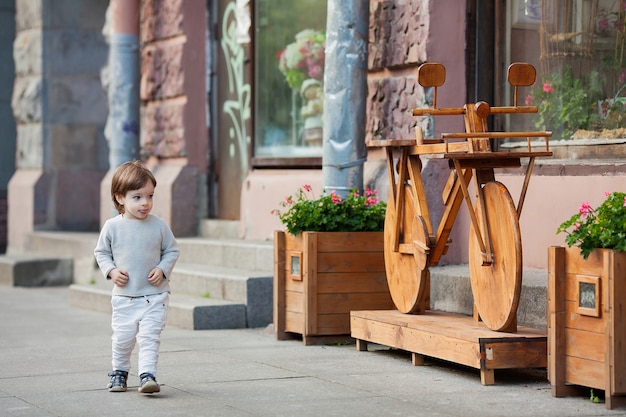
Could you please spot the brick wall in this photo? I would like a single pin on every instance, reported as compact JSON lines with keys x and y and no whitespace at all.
{"x":397,"y":46}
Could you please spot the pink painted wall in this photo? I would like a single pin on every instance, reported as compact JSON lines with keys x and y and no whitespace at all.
{"x":550,"y":200}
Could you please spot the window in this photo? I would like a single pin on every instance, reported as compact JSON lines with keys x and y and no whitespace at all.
{"x":289,"y":59}
{"x":578,"y":48}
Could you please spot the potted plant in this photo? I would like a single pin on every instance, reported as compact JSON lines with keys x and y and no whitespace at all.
{"x":587,"y":300}
{"x":329,"y":261}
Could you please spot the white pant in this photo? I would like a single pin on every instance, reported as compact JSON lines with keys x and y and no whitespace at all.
{"x":139,"y":319}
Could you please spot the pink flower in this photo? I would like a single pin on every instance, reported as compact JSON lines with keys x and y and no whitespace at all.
{"x":585,"y":209}
{"x":335,"y":198}
{"x":529,"y":100}
{"x":547,"y":88}
{"x":625,"y":201}
{"x":288,"y":200}
{"x":307,"y":187}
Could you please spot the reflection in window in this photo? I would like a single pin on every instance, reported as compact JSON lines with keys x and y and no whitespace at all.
{"x":578,"y":46}
{"x":289,"y":74}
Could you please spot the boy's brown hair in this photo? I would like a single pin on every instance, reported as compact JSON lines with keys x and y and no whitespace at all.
{"x":127,"y":177}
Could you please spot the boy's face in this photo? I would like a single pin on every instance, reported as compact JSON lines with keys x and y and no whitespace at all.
{"x":137,"y":203}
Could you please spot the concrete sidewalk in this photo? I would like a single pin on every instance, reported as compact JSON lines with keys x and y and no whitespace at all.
{"x":54,"y":360}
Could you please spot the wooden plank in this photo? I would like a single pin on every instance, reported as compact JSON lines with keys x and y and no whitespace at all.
{"x":294,"y":322}
{"x":353,"y":282}
{"x":584,"y":372}
{"x":294,"y":302}
{"x":310,"y":268}
{"x":345,"y":302}
{"x":616,"y":271}
{"x":382,"y":143}
{"x":350,"y":262}
{"x":577,"y":265}
{"x":487,"y":163}
{"x":333,"y":324}
{"x":556,"y":319}
{"x":509,"y":354}
{"x":340,"y":242}
{"x":585,"y":345}
{"x":573,"y":320}
{"x":293,"y":286}
{"x":279,"y":285}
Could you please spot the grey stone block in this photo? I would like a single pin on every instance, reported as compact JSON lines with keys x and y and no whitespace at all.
{"x":260,"y":295}
{"x":219,"y":317}
{"x":36,"y":272}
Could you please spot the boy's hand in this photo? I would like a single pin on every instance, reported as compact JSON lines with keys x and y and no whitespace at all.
{"x":155,"y":277}
{"x":119,"y":277}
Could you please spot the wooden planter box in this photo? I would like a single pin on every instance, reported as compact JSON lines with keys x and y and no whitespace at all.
{"x":319,"y":277}
{"x":587,"y":322}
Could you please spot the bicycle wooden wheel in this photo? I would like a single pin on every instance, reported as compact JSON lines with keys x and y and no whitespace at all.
{"x":407,"y":268}
{"x":496,"y":287}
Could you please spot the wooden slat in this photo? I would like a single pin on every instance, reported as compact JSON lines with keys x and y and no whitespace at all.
{"x":584,"y":372}
{"x":279,"y":285}
{"x":294,"y":302}
{"x":294,"y":286}
{"x":573,"y":320}
{"x":333,"y":324}
{"x":495,"y":155}
{"x":383,"y":143}
{"x":294,"y":322}
{"x":516,"y":355}
{"x":615,"y":265}
{"x":347,"y":262}
{"x":577,"y":265}
{"x":339,"y":242}
{"x":354,"y":282}
{"x":311,"y":268}
{"x":345,"y":302}
{"x":584,"y":345}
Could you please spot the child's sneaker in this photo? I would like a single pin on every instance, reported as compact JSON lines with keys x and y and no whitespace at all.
{"x":118,"y":381}
{"x":148,"y":384}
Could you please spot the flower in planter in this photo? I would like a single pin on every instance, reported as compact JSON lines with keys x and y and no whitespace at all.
{"x":331,"y":213}
{"x":603,"y":227}
{"x":303,"y":59}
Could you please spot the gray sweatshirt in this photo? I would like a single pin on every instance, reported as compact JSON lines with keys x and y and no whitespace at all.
{"x":137,"y":246}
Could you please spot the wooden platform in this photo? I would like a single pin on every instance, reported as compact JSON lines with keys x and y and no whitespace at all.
{"x":452,"y":337}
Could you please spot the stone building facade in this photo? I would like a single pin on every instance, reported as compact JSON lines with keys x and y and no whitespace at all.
{"x":59,"y":107}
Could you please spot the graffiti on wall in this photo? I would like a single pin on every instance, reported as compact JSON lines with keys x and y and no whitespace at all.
{"x":237,"y":107}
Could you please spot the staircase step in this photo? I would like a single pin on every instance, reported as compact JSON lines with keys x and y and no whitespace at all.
{"x":35,"y":271}
{"x":212,"y":281}
{"x":187,"y":312}
{"x":451,"y":291}
{"x":251,"y":288}
{"x":219,"y":229}
{"x":232,"y":253}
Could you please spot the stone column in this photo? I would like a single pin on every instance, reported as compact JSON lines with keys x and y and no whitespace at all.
{"x":60,"y":109}
{"x":174,"y":130}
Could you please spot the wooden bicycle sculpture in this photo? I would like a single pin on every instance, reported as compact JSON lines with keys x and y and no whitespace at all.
{"x":495,"y":247}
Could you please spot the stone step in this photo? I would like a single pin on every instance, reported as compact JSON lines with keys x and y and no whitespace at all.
{"x":451,"y":291}
{"x":187,"y":312}
{"x":251,"y":288}
{"x":231,"y":253}
{"x":29,"y":271}
{"x":219,"y":229}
